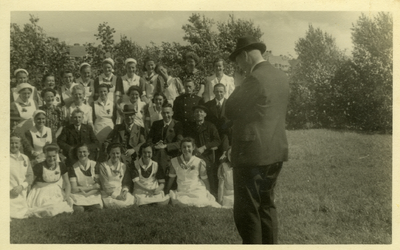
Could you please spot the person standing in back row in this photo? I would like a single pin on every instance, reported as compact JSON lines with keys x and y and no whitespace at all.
{"x":259,"y":145}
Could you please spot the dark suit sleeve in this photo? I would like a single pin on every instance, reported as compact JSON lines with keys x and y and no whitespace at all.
{"x":215,"y":141}
{"x":150,"y":135}
{"x":178,"y":129}
{"x":62,"y":141}
{"x":244,"y":100}
{"x":93,"y":142}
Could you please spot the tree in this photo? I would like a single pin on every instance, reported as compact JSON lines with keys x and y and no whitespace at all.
{"x":318,"y":60}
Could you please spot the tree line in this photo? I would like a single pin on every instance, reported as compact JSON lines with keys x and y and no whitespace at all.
{"x":328,"y":88}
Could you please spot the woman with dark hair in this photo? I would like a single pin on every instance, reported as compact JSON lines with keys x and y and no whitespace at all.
{"x":49,"y":82}
{"x":84,"y":178}
{"x":67,"y":78}
{"x":149,"y":179}
{"x":171,"y":87}
{"x":191,"y":72}
{"x":51,"y":189}
{"x":115,"y":179}
{"x":149,"y":78}
{"x":85,"y":80}
{"x":104,"y":114}
{"x":54,"y":113}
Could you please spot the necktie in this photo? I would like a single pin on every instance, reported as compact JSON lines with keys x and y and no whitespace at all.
{"x":164,"y":132}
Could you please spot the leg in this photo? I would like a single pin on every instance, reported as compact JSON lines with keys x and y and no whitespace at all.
{"x":246,"y":205}
{"x":267,"y":210}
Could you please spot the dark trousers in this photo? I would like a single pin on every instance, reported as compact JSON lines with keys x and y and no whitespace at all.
{"x":254,"y":208}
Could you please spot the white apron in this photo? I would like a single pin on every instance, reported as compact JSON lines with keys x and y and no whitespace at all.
{"x":103,"y":124}
{"x":151,"y":182}
{"x":112,"y":185}
{"x":47,"y":198}
{"x":83,"y":180}
{"x":39,"y":143}
{"x":18,"y":169}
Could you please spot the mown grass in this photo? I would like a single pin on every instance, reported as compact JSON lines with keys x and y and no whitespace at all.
{"x":335,"y":189}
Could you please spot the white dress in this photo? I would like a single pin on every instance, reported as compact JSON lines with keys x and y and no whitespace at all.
{"x":111,"y":180}
{"x":40,"y":140}
{"x":20,"y":168}
{"x":84,"y":181}
{"x":47,"y":198}
{"x":151,"y":182}
{"x":127,"y":83}
{"x":103,"y":124}
{"x":225,"y":174}
{"x":191,"y":189}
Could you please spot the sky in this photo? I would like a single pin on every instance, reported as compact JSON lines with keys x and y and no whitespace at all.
{"x":281,"y":28}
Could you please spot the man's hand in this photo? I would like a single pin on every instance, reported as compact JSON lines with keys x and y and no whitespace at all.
{"x":201,"y":149}
{"x":129,"y":152}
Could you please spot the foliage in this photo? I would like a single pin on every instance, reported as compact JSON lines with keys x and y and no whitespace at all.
{"x":336,"y":188}
{"x":32,"y":50}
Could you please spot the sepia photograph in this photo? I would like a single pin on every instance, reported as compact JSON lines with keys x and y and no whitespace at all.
{"x":203,"y":126}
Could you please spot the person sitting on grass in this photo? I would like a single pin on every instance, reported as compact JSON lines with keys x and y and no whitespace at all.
{"x":21,"y":176}
{"x":47,"y":196}
{"x":84,"y":178}
{"x":225,"y":186}
{"x":113,"y":174}
{"x":193,"y":186}
{"x":149,"y":179}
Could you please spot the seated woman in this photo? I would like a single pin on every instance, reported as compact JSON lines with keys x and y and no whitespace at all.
{"x":21,"y":177}
{"x":193,"y":186}
{"x":225,"y":186}
{"x":47,"y":196}
{"x":84,"y":178}
{"x":39,"y":136}
{"x":23,"y":107}
{"x":112,"y":175}
{"x":148,"y":178}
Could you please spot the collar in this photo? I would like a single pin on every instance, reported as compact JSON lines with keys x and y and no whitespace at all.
{"x":104,"y":77}
{"x":101,"y":103}
{"x":24,"y":104}
{"x":78,"y":127}
{"x":167,"y":124}
{"x":143,"y":166}
{"x":16,"y":156}
{"x":220,"y":102}
{"x":126,"y":77}
{"x":251,"y":70}
{"x":84,"y":168}
{"x":201,"y":124}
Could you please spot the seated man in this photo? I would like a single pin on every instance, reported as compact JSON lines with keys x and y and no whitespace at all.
{"x":75,"y":134}
{"x":183,"y":104}
{"x":129,"y":134}
{"x":216,"y":116}
{"x":166,"y":135}
{"x":207,"y":140}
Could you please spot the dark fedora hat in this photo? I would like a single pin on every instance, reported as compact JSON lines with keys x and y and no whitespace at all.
{"x":247,"y":42}
{"x":200,"y":107}
{"x":129,"y":109}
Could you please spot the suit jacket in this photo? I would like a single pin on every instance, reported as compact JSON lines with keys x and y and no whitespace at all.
{"x":258,"y":111}
{"x":204,"y":135}
{"x":69,"y":138}
{"x":183,"y":105}
{"x":173,"y":135}
{"x":118,"y":135}
{"x":219,"y":119}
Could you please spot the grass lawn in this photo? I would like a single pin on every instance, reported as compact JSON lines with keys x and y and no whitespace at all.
{"x":335,"y":189}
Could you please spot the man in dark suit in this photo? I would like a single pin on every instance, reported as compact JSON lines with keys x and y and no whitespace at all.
{"x":128,"y":134}
{"x":166,"y":135}
{"x":207,"y":140}
{"x":183,"y":104}
{"x":216,"y":116}
{"x":75,"y":134}
{"x":259,"y":145}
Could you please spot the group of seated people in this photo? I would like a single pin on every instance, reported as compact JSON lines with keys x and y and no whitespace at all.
{"x":119,"y":141}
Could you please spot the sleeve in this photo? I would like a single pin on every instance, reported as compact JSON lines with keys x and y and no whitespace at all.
{"x":202,"y":170}
{"x":160,"y":175}
{"x":62,"y":141}
{"x":71,"y":174}
{"x":94,"y":143}
{"x":63,"y":168}
{"x":215,"y":141}
{"x":179,"y":86}
{"x":178,"y":129}
{"x":143,"y":86}
{"x":90,"y":115}
{"x":172,"y":171}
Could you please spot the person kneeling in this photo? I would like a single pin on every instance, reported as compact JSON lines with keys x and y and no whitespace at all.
{"x":148,"y":178}
{"x":112,"y":175}
{"x":84,"y":178}
{"x":193,"y":186}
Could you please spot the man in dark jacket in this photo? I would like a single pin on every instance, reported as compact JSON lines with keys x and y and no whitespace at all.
{"x":259,"y":145}
{"x":207,"y":140}
{"x":183,"y":104}
{"x":77,"y":133}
